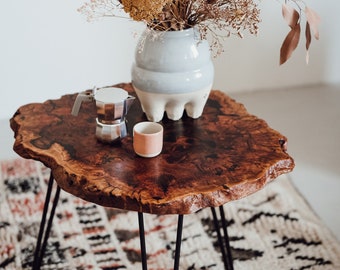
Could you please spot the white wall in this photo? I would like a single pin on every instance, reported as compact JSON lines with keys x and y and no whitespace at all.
{"x":47,"y":49}
{"x":252,"y":63}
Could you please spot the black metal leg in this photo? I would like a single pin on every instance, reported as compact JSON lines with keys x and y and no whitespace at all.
{"x":226,"y":237}
{"x":223,"y":241}
{"x":219,"y":237}
{"x":178,"y":241}
{"x":142,"y":240}
{"x":40,"y":249}
{"x":49,"y":225}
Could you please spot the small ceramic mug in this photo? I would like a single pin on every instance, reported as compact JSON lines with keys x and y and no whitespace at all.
{"x":148,"y":139}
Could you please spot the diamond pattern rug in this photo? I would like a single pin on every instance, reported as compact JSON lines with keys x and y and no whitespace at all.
{"x":272,"y":229}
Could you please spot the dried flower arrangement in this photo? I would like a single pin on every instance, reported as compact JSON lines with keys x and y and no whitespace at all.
{"x":219,"y":18}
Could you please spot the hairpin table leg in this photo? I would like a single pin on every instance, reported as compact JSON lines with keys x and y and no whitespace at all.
{"x":223,"y":241}
{"x":226,"y":237}
{"x":178,"y":241}
{"x":40,"y":249}
{"x":142,"y":240}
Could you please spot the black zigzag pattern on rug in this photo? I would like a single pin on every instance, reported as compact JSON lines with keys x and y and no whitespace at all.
{"x":272,"y":229}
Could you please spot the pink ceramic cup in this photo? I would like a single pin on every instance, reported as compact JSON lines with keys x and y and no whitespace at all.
{"x":148,"y":139}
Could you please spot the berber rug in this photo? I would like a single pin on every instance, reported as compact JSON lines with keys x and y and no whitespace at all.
{"x":272,"y":229}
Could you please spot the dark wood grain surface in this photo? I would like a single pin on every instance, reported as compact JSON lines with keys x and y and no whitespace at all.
{"x":224,"y":155}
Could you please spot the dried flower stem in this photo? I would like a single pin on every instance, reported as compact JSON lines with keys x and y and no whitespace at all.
{"x":231,"y":17}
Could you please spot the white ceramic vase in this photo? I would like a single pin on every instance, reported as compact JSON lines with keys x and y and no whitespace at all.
{"x":172,"y":72}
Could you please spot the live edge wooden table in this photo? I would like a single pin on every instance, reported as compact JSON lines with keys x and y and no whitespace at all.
{"x":224,"y":155}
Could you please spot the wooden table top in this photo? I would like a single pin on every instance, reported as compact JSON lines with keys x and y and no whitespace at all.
{"x":224,"y":155}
